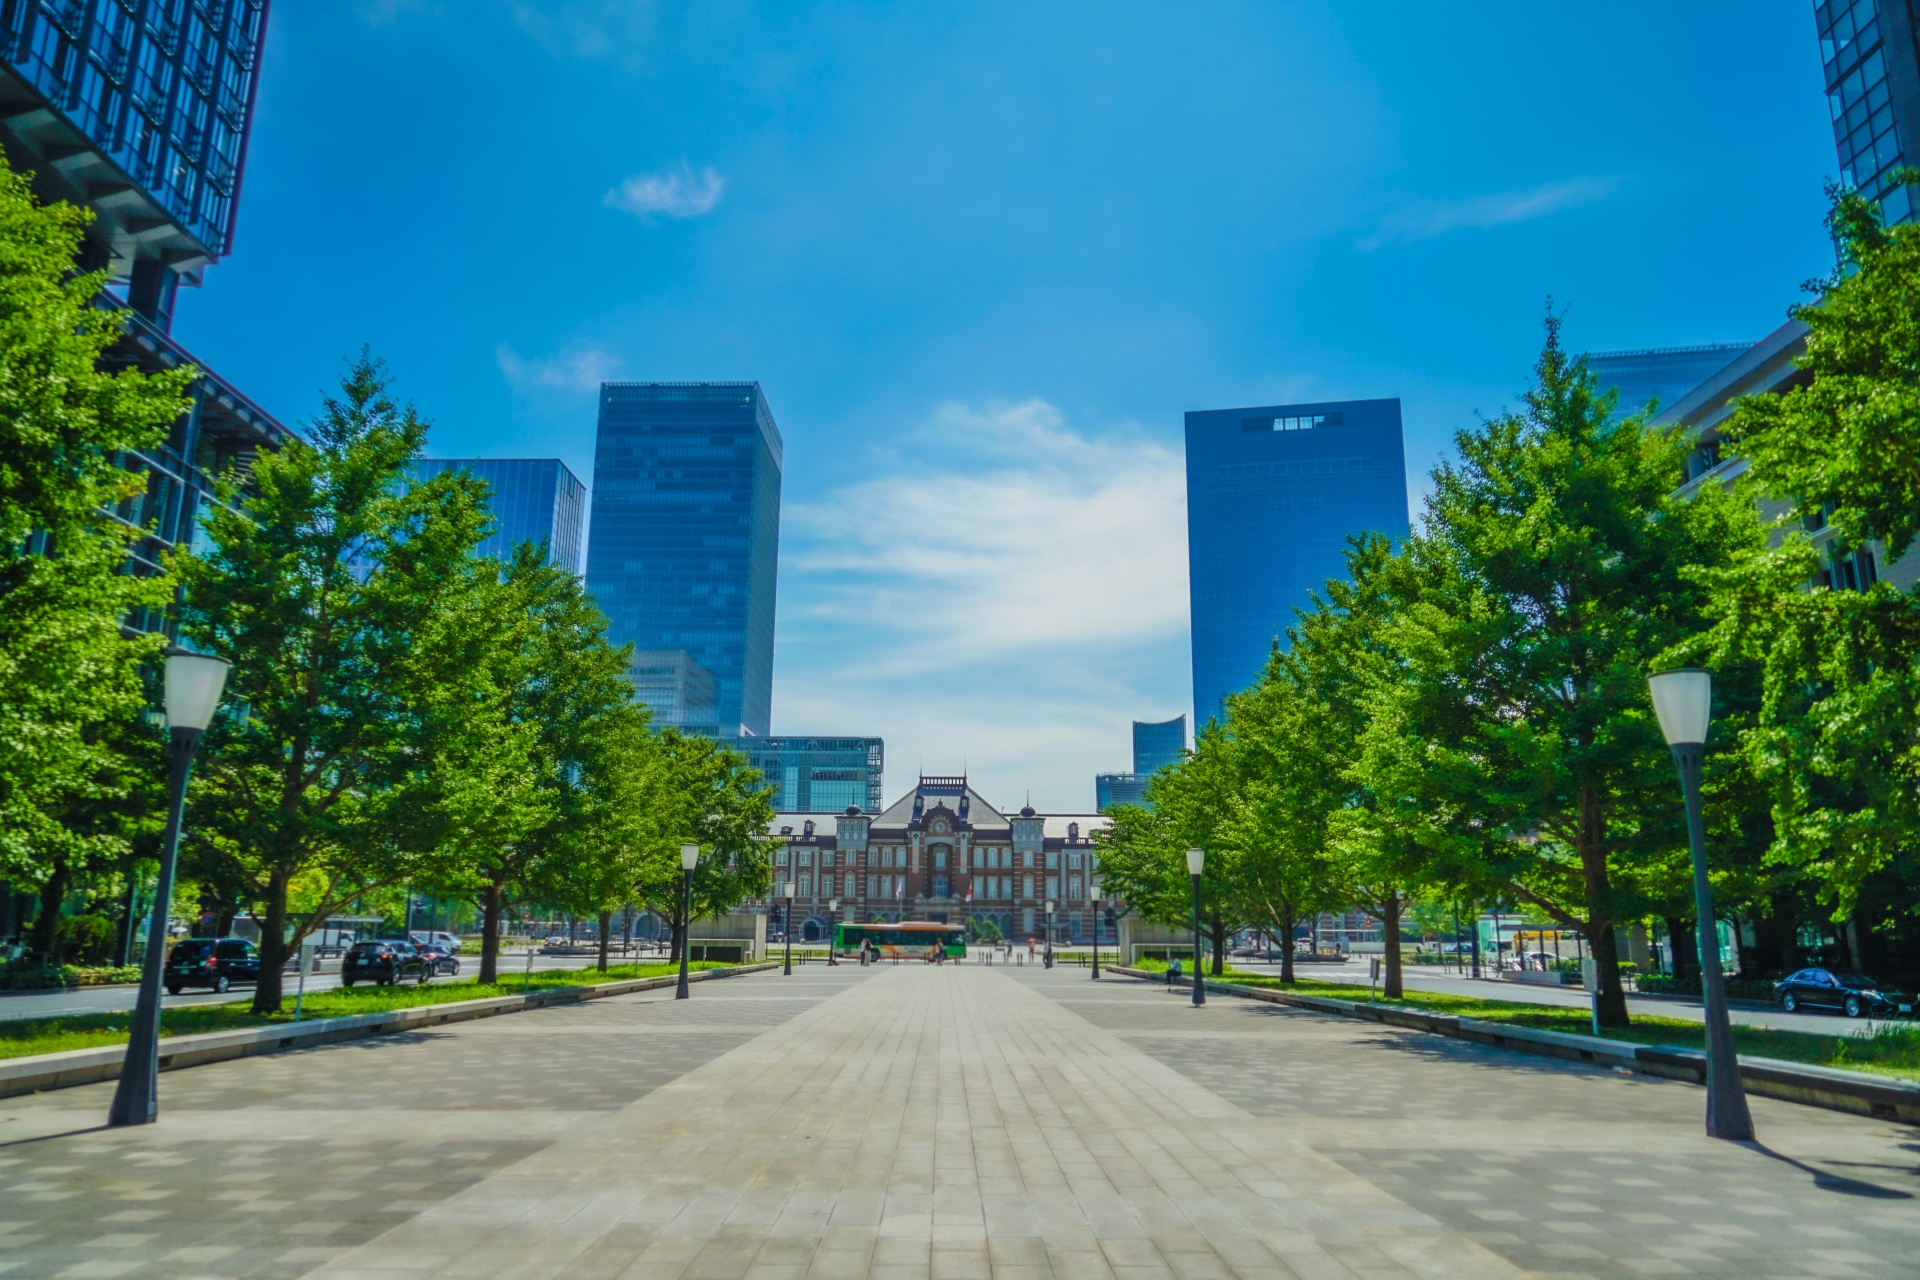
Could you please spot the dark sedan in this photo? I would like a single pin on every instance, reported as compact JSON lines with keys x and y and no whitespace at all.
{"x":1858,"y":995}
{"x":210,"y":962}
{"x":439,"y":959}
{"x":384,"y":963}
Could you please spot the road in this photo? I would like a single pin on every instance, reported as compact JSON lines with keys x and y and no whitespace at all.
{"x":1426,"y":978}
{"x":76,"y":1001}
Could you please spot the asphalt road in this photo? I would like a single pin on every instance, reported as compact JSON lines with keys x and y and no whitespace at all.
{"x":76,"y":1001}
{"x":1425,"y":978}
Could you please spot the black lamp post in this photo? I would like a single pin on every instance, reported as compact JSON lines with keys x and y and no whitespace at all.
{"x":1683,"y":701}
{"x":1049,"y":955}
{"x":787,"y":893}
{"x":833,"y":909}
{"x":1196,"y":859}
{"x":689,"y":859}
{"x":1096,"y":899}
{"x":194,"y":682}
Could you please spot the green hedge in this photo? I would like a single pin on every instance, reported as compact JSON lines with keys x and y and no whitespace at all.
{"x":1737,"y":988}
{"x":55,"y":977}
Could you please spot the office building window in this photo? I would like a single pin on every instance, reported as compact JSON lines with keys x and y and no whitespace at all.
{"x":1027,"y":888}
{"x":1073,"y":886}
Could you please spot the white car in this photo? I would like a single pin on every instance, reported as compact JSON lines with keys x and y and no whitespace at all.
{"x":447,"y":941}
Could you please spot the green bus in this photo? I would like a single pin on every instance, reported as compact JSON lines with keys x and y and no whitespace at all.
{"x":910,"y":938}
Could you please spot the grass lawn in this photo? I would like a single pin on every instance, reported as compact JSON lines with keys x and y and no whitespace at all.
{"x":1891,"y":1049}
{"x":56,"y":1035}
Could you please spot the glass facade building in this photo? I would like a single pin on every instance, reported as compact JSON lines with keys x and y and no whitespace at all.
{"x":684,"y":543}
{"x":1868,"y":51}
{"x":534,"y":500}
{"x":820,"y":775}
{"x":139,"y":110}
{"x":1661,"y":373}
{"x":1156,"y":744}
{"x":1118,"y":788}
{"x":1273,"y":494}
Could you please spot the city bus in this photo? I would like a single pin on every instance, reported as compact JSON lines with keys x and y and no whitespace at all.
{"x":914,"y":938}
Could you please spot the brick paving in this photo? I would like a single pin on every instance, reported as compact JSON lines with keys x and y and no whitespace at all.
{"x":923,"y":1122}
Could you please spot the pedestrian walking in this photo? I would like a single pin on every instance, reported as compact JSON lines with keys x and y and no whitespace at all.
{"x":1173,"y":973}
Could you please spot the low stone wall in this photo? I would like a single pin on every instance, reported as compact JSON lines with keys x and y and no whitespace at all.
{"x":1856,"y":1091}
{"x":44,"y":1071}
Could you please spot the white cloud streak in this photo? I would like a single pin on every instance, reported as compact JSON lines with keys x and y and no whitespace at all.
{"x":579,"y":369}
{"x":680,"y":193}
{"x":1428,"y":218}
{"x":1005,"y":595}
{"x":603,"y":30}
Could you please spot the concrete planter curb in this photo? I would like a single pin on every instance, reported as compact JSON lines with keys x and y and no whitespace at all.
{"x":43,"y":1071}
{"x":1859,"y":1092}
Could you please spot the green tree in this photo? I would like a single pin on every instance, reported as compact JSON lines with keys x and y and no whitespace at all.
{"x":69,"y":671}
{"x":1835,"y":740}
{"x":705,"y":794}
{"x":1513,"y":747}
{"x":332,"y":587}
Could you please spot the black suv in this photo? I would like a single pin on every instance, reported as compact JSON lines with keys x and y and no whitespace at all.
{"x":384,"y":963}
{"x":1857,"y":995}
{"x":211,"y":962}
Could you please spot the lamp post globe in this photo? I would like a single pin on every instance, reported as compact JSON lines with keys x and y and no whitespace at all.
{"x":1196,"y":862}
{"x":689,"y":859}
{"x":194,"y":683}
{"x":1683,"y":704}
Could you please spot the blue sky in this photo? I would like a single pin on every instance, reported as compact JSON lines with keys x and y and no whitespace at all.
{"x":983,"y":256}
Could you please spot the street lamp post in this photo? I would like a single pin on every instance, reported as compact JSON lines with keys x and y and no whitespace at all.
{"x":689,"y":859}
{"x":1683,"y":702}
{"x":788,"y":895}
{"x":1095,"y":899}
{"x":1196,"y":859}
{"x":1049,"y":955}
{"x":833,"y":909}
{"x":194,"y":682}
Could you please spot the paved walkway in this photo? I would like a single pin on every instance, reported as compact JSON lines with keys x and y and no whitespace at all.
{"x":953,"y":1122}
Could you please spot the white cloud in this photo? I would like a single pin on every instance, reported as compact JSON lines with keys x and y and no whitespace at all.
{"x":1005,"y":595}
{"x":1428,"y":218}
{"x":579,"y":369}
{"x":614,"y":30}
{"x":677,"y":193}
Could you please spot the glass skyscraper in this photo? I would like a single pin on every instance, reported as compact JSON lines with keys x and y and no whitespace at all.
{"x":683,"y":548}
{"x":1867,"y":48}
{"x":820,"y":775}
{"x":1273,"y":494}
{"x":534,"y":500}
{"x":1118,"y":788}
{"x":1660,"y":373}
{"x":1158,"y":743}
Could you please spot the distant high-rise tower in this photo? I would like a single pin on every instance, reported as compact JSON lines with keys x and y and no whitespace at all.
{"x":1662,"y":374}
{"x":1273,"y":494}
{"x":1873,"y":94}
{"x":683,"y":544}
{"x":1157,"y":744}
{"x":534,"y":500}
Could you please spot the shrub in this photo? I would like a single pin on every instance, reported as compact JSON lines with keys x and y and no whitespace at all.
{"x":1656,"y":984}
{"x":83,"y":940}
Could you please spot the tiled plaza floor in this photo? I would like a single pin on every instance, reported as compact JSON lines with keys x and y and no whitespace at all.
{"x":955,"y":1122}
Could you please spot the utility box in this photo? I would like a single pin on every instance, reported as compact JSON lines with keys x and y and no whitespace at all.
{"x":738,"y":937}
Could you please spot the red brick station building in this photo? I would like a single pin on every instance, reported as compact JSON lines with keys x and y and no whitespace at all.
{"x":940,"y":852}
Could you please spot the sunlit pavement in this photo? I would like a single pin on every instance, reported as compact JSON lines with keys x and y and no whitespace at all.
{"x":959,"y":1121}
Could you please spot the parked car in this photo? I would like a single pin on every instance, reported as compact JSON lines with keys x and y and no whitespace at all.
{"x":210,"y":962}
{"x":1856,"y":994}
{"x":447,"y":942}
{"x":385,"y":962}
{"x":441,"y":959}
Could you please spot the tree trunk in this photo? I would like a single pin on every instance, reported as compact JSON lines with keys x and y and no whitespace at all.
{"x":1219,"y":940}
{"x":1390,"y":918}
{"x":53,"y":891}
{"x":1612,"y":1002}
{"x":1679,"y":943}
{"x":1286,"y":943}
{"x":273,"y":943}
{"x":606,"y":927}
{"x":1602,"y":941}
{"x":490,"y":903}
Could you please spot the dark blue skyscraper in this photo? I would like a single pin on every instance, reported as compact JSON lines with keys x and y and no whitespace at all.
{"x":534,"y":500}
{"x":1158,"y":743}
{"x":1872,"y":65}
{"x":1273,"y":494}
{"x":1661,"y":373}
{"x":685,"y":535}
